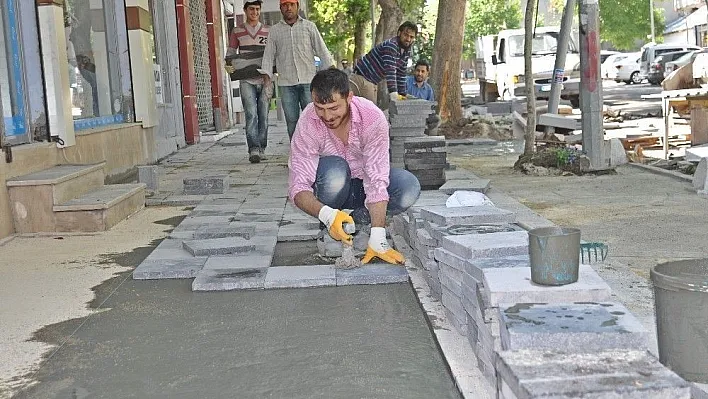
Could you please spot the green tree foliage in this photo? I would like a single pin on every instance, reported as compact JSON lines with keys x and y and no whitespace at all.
{"x":487,"y":17}
{"x":337,"y":20}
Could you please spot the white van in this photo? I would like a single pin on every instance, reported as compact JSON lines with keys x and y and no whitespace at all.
{"x":651,"y":52}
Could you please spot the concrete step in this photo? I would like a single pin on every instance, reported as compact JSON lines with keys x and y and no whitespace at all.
{"x":100,"y":209}
{"x":33,"y":196}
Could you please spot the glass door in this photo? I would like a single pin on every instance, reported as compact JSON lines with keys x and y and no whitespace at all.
{"x":12,"y":84}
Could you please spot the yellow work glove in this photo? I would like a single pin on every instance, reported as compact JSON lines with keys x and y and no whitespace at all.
{"x":396,"y":97}
{"x":229,"y":69}
{"x":335,"y":220}
{"x":379,"y":248}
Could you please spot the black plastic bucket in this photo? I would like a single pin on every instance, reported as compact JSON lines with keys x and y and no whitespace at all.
{"x":555,"y":255}
{"x":681,"y":302}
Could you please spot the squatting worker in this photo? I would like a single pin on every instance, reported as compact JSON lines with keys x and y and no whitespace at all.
{"x":387,"y":60}
{"x":292,"y":46}
{"x":339,"y":160}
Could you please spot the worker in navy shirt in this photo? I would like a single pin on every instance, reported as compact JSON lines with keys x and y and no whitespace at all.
{"x":417,"y":84}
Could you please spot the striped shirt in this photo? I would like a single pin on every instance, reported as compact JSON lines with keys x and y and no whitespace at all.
{"x":366,"y":152}
{"x":292,"y":49}
{"x":387,"y":60}
{"x":250,"y":41}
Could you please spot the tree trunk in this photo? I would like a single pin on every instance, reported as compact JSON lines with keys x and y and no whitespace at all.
{"x":360,"y":39}
{"x":530,"y":133}
{"x":447,"y":58}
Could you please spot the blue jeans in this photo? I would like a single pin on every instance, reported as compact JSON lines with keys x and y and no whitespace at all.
{"x":294,"y":98}
{"x":256,"y":107}
{"x":335,"y":187}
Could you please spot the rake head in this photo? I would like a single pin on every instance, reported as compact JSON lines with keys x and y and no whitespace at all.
{"x":593,"y":252}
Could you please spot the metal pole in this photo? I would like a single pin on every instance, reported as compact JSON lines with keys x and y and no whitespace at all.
{"x":373,"y":23}
{"x":561,"y":51}
{"x":591,"y":83}
{"x":651,"y":18}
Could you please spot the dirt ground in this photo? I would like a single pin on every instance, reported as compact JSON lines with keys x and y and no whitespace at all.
{"x":644,"y":218}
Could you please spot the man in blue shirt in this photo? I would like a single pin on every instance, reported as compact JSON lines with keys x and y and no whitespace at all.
{"x":417,"y":84}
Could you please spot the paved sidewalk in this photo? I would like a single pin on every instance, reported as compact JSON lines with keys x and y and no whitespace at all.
{"x":158,"y":338}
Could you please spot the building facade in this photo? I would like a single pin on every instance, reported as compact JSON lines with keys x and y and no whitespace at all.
{"x":120,"y":83}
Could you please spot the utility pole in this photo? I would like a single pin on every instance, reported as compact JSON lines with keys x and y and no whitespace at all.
{"x":651,"y":18}
{"x":559,"y":68}
{"x":591,"y":83}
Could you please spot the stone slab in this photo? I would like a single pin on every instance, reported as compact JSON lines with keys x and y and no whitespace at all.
{"x":205,"y":185}
{"x":298,"y":232}
{"x":372,"y":274}
{"x":438,"y":232}
{"x":210,"y":232}
{"x":411,"y":107}
{"x":444,"y":216}
{"x":148,"y":176}
{"x":492,"y":245}
{"x":479,"y":185}
{"x":476,"y":267}
{"x":695,"y":153}
{"x":570,"y":327}
{"x":229,"y":279}
{"x":169,"y":268}
{"x":626,"y":374}
{"x":239,"y":262}
{"x":424,"y":142}
{"x":405,"y":132}
{"x":558,"y":121}
{"x":300,"y":276}
{"x":514,"y":285}
{"x":700,"y":176}
{"x":219,"y":246}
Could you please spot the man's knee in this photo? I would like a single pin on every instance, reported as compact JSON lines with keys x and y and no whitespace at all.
{"x":408,"y":188}
{"x":332,"y":180}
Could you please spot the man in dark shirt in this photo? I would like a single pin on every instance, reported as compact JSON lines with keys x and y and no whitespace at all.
{"x":388,"y":60}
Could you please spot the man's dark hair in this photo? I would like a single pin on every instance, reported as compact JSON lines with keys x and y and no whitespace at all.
{"x":424,"y":63}
{"x":252,"y":3}
{"x":408,"y":25}
{"x":327,"y":82}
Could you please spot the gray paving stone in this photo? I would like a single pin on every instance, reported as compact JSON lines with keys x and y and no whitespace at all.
{"x":205,"y":185}
{"x":208,"y":232}
{"x":411,"y":107}
{"x":475,"y":267}
{"x":513,"y":285}
{"x":298,"y":232}
{"x":229,"y":279}
{"x":480,"y":185}
{"x":219,"y":246}
{"x":200,"y":221}
{"x":328,"y":246}
{"x":246,"y":261}
{"x":626,"y":374}
{"x":300,"y":276}
{"x":148,"y":175}
{"x":405,"y":132}
{"x":151,"y":269}
{"x":251,"y":216}
{"x":372,"y":274}
{"x":438,"y":232}
{"x":474,"y":246}
{"x":180,"y":200}
{"x":570,"y":327}
{"x":444,"y":216}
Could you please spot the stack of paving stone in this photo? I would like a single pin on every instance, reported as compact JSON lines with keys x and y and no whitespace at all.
{"x":407,"y":119}
{"x":426,"y":158}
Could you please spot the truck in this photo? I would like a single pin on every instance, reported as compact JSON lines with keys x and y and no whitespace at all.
{"x":500,"y":65}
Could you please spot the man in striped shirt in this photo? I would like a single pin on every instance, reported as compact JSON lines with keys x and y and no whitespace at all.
{"x":388,"y":60}
{"x":250,"y":40}
{"x":339,"y":160}
{"x":292,"y":46}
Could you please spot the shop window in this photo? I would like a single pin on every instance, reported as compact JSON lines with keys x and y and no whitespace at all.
{"x":94,"y":75}
{"x":160,"y":59}
{"x":12,"y":92}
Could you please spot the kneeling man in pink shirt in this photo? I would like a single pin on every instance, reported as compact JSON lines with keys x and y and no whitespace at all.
{"x":339,"y":159}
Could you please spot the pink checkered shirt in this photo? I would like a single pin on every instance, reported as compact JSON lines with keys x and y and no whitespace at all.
{"x":366,"y":152}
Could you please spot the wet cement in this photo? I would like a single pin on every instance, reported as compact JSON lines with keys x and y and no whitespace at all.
{"x":158,"y":339}
{"x":299,"y":253}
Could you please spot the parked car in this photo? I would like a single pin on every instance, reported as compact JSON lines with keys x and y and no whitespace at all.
{"x":607,"y":69}
{"x":656,"y":69}
{"x":628,"y":69}
{"x":681,"y":61}
{"x":649,"y":53}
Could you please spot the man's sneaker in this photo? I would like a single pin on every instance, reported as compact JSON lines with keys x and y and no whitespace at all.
{"x":261,"y":154}
{"x":254,"y":157}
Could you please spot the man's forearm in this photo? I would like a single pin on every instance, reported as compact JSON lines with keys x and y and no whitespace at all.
{"x":308,"y":203}
{"x":377,"y":211}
